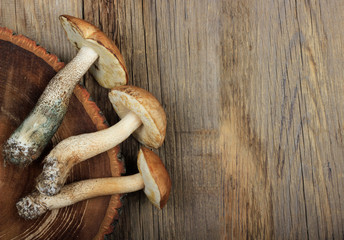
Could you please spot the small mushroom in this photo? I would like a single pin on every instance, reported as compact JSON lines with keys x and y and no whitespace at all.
{"x":140,"y":113}
{"x":153,"y":178}
{"x":29,"y":139}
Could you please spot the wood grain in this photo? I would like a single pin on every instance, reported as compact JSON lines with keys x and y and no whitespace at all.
{"x":38,"y":20}
{"x":253,"y":92}
{"x":25,"y":71}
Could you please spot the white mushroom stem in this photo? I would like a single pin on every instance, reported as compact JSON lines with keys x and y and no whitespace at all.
{"x":30,"y":138}
{"x":35,"y":204}
{"x":71,"y":74}
{"x":76,"y":149}
{"x":88,"y":145}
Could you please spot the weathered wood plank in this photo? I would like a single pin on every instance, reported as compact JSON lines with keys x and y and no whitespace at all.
{"x":253,"y":95}
{"x":163,"y":55}
{"x":282,"y":99}
{"x":38,"y":20}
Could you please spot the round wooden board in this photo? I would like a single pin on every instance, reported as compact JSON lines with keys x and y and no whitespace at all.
{"x":25,"y":70}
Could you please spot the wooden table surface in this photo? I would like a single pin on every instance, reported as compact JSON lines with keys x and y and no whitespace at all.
{"x":254,"y":96}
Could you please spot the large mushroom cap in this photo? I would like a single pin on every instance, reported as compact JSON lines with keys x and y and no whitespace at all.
{"x":109,"y":69}
{"x":130,"y":98}
{"x":155,"y":177}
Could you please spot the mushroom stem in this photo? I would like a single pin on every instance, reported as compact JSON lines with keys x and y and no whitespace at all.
{"x":35,"y":204}
{"x":29,"y":139}
{"x":76,"y":149}
{"x":152,"y":177}
{"x":63,"y":83}
{"x":88,"y":145}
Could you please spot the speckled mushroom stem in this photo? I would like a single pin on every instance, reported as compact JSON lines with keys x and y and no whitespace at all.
{"x":76,"y":149}
{"x":30,"y":138}
{"x":34,"y":205}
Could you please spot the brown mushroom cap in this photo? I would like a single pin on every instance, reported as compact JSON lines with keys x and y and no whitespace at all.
{"x":155,"y":177}
{"x":109,"y":70}
{"x":130,"y":98}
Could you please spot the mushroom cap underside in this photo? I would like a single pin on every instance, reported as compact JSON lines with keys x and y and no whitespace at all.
{"x":155,"y":177}
{"x":109,"y":69}
{"x":130,"y":98}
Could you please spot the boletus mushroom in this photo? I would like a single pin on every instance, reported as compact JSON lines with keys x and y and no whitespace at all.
{"x":140,"y":113}
{"x":152,"y":177}
{"x":28,"y":141}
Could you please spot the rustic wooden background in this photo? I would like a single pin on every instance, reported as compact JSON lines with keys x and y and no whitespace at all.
{"x":254,"y":95}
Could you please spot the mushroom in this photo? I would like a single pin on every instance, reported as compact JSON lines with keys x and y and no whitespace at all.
{"x":140,"y":113}
{"x":152,"y":177}
{"x":28,"y":141}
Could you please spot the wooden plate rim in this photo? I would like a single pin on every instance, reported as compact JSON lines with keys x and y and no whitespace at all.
{"x":98,"y":119}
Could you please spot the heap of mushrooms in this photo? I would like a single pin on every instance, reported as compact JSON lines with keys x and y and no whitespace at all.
{"x":30,"y":138}
{"x":140,"y":113}
{"x":152,"y":177}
